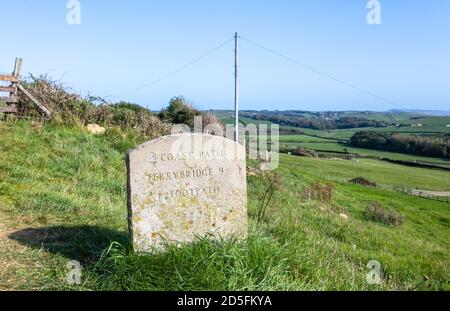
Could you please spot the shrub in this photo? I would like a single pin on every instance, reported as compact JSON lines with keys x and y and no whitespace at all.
{"x":304,"y":152}
{"x":376,"y":212}
{"x":126,"y":116}
{"x":60,"y":100}
{"x":72,"y":109}
{"x":362,"y":181}
{"x":180,"y":111}
{"x":319,"y":192}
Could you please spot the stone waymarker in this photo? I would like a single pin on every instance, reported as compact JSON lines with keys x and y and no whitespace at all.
{"x":185,"y":186}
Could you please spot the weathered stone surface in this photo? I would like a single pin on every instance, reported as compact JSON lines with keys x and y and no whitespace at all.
{"x":185,"y":186}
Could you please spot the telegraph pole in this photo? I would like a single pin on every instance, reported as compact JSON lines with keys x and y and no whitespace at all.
{"x":236,"y":88}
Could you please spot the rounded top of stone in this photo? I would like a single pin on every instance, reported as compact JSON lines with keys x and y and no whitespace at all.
{"x":192,"y":136}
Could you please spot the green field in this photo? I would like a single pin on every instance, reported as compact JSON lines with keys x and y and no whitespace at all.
{"x":331,"y":141}
{"x":325,"y":147}
{"x":384,"y":174}
{"x":399,"y":117}
{"x":346,"y":134}
{"x":63,"y":197}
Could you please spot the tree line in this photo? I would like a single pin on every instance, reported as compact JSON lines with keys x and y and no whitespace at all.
{"x":412,"y":144}
{"x":313,"y":122}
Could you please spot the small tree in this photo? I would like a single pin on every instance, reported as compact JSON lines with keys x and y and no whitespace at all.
{"x":180,"y":111}
{"x":275,"y":183}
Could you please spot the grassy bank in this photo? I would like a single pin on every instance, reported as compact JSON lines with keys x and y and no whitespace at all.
{"x":62,"y":197}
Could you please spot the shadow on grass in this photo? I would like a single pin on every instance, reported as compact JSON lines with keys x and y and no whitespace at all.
{"x":82,"y":243}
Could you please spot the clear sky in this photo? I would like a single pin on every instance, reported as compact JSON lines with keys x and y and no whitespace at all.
{"x":121,"y":45}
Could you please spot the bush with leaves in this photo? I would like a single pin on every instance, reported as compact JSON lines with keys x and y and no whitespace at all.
{"x":181,"y":111}
{"x":70,"y":108}
{"x":62,"y":101}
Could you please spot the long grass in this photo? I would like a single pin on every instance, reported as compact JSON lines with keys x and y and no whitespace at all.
{"x":62,"y":197}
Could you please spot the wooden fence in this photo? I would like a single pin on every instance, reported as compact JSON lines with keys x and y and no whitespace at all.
{"x":10,"y":85}
{"x":8,"y":88}
{"x":442,"y":196}
{"x":432,"y":195}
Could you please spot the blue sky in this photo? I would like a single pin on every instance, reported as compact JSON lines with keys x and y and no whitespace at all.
{"x":124,"y":44}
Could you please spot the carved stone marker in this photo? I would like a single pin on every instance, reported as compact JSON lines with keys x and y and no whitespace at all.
{"x":185,"y":186}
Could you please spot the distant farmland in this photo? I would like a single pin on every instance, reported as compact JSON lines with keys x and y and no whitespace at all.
{"x":334,"y":141}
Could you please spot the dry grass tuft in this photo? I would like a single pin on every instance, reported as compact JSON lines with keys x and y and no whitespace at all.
{"x":375,"y":211}
{"x":319,"y":192}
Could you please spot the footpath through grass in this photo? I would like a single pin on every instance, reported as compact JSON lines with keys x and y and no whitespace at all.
{"x":63,"y":197}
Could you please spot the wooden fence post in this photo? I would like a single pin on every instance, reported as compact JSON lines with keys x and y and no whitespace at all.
{"x":12,"y":89}
{"x":16,"y":74}
{"x":17,"y":67}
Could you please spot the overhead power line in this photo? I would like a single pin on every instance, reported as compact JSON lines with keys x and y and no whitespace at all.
{"x":319,"y":72}
{"x":194,"y":61}
{"x":271,"y":51}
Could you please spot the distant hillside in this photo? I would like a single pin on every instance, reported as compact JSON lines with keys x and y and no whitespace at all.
{"x":438,"y":113}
